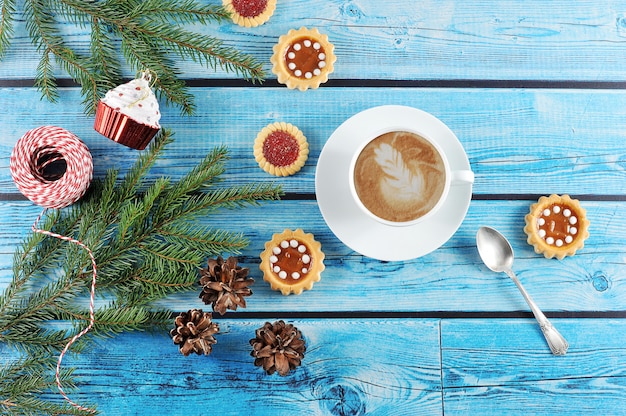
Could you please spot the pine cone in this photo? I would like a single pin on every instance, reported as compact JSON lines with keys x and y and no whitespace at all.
{"x":224,"y":284}
{"x":194,"y":332}
{"x":278,"y":347}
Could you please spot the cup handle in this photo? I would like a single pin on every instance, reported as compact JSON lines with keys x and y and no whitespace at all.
{"x":460,"y":177}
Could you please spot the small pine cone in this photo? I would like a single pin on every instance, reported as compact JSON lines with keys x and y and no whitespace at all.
{"x":194,"y":332}
{"x":224,"y":284}
{"x":278,"y":347}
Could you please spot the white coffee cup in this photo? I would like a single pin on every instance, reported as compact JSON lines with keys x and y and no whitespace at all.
{"x":402,"y":177}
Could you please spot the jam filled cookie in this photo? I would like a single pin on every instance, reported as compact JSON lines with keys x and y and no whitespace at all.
{"x":303,"y":59}
{"x":292,"y":261}
{"x":556,"y":226}
{"x":281,"y":149}
{"x":250,"y":13}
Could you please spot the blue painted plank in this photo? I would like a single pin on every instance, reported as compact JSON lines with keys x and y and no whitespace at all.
{"x":517,"y":141}
{"x":520,"y":141}
{"x":450,"y":279}
{"x":350,"y":367}
{"x":587,"y":395}
{"x":378,"y":367}
{"x":420,"y":41}
{"x":495,"y":367}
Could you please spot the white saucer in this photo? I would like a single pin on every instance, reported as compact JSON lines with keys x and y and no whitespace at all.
{"x":355,"y":228}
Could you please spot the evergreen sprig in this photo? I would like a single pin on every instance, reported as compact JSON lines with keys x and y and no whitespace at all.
{"x":147,"y":33}
{"x":24,"y":381}
{"x":147,"y":246}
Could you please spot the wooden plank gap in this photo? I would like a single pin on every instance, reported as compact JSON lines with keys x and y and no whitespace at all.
{"x":370,"y":83}
{"x":242,"y":315}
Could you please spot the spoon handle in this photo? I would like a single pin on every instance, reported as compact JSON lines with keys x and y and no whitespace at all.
{"x":558,"y":345}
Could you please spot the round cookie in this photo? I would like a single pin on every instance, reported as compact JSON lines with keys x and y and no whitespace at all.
{"x":303,"y":59}
{"x":250,"y":13}
{"x":556,"y":226}
{"x":281,"y":149}
{"x":292,"y":261}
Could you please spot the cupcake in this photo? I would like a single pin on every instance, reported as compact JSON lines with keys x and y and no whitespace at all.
{"x":292,"y":261}
{"x":303,"y":59}
{"x":556,"y":226}
{"x":250,"y":13}
{"x":129,"y":114}
{"x":281,"y":149}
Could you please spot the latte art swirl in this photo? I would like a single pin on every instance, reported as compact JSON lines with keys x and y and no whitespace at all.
{"x":399,"y":180}
{"x":399,"y":176}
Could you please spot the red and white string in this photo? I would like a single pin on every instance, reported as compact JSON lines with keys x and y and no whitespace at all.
{"x":33,"y":156}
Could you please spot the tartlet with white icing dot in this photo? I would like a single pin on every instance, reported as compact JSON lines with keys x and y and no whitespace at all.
{"x":292,"y":261}
{"x":303,"y":59}
{"x":556,"y":226}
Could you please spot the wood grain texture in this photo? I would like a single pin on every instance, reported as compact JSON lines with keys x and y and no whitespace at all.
{"x":351,"y":367}
{"x":427,"y":40}
{"x":518,"y":141}
{"x":367,"y":367}
{"x":450,"y":279}
{"x":505,"y":367}
{"x":471,"y":65}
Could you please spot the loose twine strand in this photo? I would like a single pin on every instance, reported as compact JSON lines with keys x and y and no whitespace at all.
{"x":92,"y":317}
{"x":32,"y":160}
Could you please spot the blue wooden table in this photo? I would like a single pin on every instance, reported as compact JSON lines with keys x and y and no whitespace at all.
{"x":534,"y":91}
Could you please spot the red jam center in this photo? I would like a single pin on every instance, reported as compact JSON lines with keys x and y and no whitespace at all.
{"x":249,"y":8}
{"x":281,"y":148}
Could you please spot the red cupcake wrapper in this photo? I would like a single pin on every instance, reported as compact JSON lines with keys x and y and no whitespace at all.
{"x":122,"y":129}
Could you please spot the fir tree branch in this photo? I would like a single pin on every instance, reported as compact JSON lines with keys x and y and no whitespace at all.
{"x":147,"y":247}
{"x":6,"y":25}
{"x":106,"y":62}
{"x":147,"y":33}
{"x":231,"y":198}
{"x":135,"y":175}
{"x":181,"y":11}
{"x":200,"y":48}
{"x":46,"y":80}
{"x":211,"y":166}
{"x":27,"y":267}
{"x":116,"y":319}
{"x":48,"y":40}
{"x":24,"y":380}
{"x":142,"y":53}
{"x":203,"y":239}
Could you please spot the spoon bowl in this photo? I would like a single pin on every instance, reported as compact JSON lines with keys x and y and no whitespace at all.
{"x":497,"y":254}
{"x":494,"y":249}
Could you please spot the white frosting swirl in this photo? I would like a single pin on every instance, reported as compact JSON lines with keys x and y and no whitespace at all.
{"x":136,"y":100}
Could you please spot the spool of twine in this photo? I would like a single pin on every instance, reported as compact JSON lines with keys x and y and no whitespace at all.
{"x":53,"y":168}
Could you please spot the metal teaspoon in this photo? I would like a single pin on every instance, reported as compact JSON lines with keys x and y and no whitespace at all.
{"x":497,"y":254}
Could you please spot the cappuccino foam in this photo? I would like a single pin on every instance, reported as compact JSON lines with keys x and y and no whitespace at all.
{"x":399,"y":176}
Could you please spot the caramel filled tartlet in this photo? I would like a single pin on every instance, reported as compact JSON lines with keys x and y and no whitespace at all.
{"x":303,"y":59}
{"x":292,"y":261}
{"x":281,"y":149}
{"x":250,"y":13}
{"x":556,"y":226}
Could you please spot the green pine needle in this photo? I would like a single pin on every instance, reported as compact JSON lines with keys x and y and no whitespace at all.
{"x":149,"y":34}
{"x":147,"y":246}
{"x":22,"y":383}
{"x":7,"y":9}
